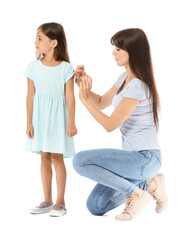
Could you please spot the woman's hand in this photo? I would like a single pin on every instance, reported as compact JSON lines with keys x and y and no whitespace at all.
{"x":80,"y":71}
{"x":85,"y":87}
{"x":29,"y":131}
{"x":71,"y":130}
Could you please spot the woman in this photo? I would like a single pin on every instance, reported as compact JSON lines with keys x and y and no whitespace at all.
{"x":127,"y":175}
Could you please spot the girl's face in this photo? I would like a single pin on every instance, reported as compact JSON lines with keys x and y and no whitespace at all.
{"x":43,"y":44}
{"x":121,"y":56}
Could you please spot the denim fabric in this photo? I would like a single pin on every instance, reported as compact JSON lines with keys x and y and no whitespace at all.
{"x":118,"y":174}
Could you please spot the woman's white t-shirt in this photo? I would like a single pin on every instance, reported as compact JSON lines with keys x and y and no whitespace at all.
{"x":138,"y":131}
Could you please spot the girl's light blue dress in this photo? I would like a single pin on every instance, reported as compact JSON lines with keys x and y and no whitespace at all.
{"x":50,"y":115}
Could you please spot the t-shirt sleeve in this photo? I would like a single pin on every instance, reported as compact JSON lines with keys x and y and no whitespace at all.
{"x":29,"y":71}
{"x":69,"y":72}
{"x":136,"y":90}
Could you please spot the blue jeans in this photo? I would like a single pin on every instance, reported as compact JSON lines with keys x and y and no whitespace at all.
{"x":117,"y":172}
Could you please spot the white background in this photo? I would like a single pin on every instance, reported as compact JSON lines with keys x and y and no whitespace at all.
{"x":89,"y":26}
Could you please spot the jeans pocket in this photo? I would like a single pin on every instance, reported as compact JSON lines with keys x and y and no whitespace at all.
{"x":151,"y":167}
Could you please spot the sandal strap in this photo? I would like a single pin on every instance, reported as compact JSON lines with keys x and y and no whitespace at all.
{"x":45,"y":203}
{"x":60,"y":205}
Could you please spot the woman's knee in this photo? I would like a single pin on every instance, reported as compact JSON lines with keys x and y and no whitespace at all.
{"x":98,"y":200}
{"x":79,"y":161}
{"x":92,"y":206}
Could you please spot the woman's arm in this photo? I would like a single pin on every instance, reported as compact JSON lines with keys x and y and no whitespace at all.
{"x":70,"y":98}
{"x":100,"y":102}
{"x":118,"y":117}
{"x":105,"y":100}
{"x":29,"y":107}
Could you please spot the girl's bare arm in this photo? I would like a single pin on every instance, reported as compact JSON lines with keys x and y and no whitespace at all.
{"x":29,"y":107}
{"x":70,"y":98}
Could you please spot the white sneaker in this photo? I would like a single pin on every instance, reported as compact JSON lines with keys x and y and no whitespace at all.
{"x":160,"y":193}
{"x":58,"y":213}
{"x":39,"y":210}
{"x":133,"y":207}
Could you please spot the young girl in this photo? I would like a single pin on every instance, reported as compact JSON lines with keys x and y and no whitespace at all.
{"x":51,"y":112}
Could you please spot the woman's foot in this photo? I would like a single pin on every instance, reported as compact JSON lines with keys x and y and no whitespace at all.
{"x":133,"y":207}
{"x":159,"y":194}
{"x":44,"y":207}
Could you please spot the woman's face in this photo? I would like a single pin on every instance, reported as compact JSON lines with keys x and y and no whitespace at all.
{"x":121,"y":56}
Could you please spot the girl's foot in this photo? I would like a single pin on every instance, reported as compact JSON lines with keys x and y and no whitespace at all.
{"x":44,"y":207}
{"x":58,"y":210}
{"x":160,"y":193}
{"x":133,"y":207}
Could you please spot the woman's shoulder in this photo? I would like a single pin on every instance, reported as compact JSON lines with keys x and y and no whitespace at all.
{"x":138,"y":82}
{"x":120,"y":79}
{"x":139,"y":86}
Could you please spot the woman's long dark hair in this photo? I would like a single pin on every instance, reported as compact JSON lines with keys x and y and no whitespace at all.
{"x":56,"y":31}
{"x":135,"y":42}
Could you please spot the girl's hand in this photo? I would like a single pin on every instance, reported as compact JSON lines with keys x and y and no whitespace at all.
{"x":29,"y":131}
{"x":85,"y":88}
{"x":80,"y":71}
{"x":71,"y":130}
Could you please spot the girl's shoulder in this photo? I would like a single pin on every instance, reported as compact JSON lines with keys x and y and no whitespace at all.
{"x":38,"y":63}
{"x":30,"y":70}
{"x":33,"y":63}
{"x":68,"y":70}
{"x":66,"y":64}
{"x":67,"y":67}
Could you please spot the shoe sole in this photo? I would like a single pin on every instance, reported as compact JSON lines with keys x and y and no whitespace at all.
{"x":57,"y":215}
{"x":32,"y":212}
{"x":163,"y":187}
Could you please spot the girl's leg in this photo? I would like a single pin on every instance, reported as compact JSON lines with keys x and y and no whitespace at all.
{"x":46,"y":175}
{"x":60,"y":169}
{"x":103,"y":199}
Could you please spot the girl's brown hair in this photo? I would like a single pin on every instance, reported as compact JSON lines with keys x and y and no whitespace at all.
{"x":56,"y":31}
{"x":135,"y":42}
